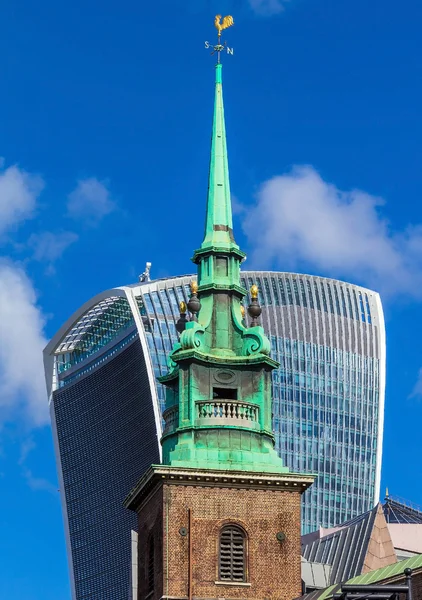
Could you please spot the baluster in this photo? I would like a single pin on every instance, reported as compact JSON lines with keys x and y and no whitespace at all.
{"x":214,"y":409}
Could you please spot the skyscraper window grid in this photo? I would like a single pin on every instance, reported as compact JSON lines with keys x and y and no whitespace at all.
{"x":336,"y":382}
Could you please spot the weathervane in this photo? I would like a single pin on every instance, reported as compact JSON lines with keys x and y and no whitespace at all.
{"x":220,"y":25}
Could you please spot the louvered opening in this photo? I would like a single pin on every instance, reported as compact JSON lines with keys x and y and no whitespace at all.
{"x":232,"y":554}
{"x":150,"y":570}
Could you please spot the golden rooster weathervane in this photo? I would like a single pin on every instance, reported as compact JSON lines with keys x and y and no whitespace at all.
{"x":219,"y":24}
{"x":227,"y":22}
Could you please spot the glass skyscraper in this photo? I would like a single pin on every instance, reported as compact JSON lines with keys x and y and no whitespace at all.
{"x":106,"y":406}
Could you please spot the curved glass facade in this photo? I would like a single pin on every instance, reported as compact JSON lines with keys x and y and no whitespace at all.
{"x":328,"y":395}
{"x":107,"y":438}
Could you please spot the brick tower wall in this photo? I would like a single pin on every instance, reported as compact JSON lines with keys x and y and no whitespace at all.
{"x":273,"y":567}
{"x":150,"y":522}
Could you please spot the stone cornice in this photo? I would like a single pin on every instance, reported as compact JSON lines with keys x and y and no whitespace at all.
{"x":220,"y":287}
{"x":229,"y":361}
{"x":163,"y":474}
{"x":209,"y":250}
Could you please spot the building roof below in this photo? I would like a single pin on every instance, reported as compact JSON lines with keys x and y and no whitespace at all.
{"x":361,"y":544}
{"x":315,"y":575}
{"x":396,"y":511}
{"x":388,"y":572}
{"x":378,"y":576}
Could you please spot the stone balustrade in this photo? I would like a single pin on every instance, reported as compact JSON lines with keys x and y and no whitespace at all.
{"x":233,"y":412}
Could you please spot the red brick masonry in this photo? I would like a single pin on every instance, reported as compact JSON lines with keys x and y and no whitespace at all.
{"x":261,"y":507}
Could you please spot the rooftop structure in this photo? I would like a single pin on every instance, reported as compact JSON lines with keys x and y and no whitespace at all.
{"x":405,"y":526}
{"x":399,"y":511}
{"x":394,"y":573}
{"x":363,"y":544}
{"x":360,"y":545}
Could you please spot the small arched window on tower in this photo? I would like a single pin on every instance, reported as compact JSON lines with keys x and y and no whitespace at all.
{"x":150,"y":565}
{"x":232,"y":554}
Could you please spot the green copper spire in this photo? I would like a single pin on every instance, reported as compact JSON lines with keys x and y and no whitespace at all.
{"x":219,"y":222}
{"x":218,"y":397}
{"x":218,"y":238}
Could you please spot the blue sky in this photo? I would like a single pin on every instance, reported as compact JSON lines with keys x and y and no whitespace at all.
{"x":106,"y":119}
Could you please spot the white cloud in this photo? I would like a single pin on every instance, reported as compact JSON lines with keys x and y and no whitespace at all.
{"x":91,"y":201}
{"x":19,"y":191}
{"x":417,"y":390}
{"x":49,"y":246}
{"x":238,"y":208}
{"x":38,"y":483}
{"x":22,"y":387}
{"x":26,"y":448}
{"x":34,"y":482}
{"x":268,"y":7}
{"x":300,"y":220}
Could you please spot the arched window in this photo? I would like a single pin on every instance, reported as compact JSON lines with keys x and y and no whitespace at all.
{"x":232,"y":554}
{"x":150,"y":565}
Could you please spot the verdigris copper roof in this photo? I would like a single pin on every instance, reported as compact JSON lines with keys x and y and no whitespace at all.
{"x":344,"y":549}
{"x":379,"y":575}
{"x":218,"y":400}
{"x":415,"y":562}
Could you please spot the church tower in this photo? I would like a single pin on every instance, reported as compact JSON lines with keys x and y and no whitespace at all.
{"x":220,"y":518}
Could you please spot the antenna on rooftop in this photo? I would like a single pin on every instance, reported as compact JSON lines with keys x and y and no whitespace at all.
{"x":145,"y":276}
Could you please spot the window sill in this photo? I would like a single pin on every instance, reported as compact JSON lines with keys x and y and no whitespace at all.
{"x":235,"y":583}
